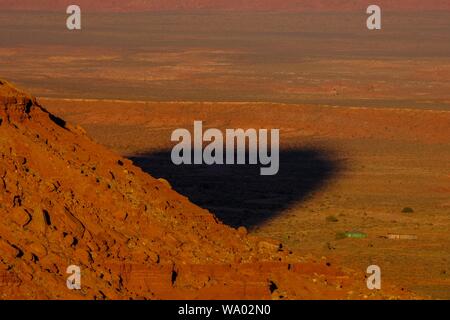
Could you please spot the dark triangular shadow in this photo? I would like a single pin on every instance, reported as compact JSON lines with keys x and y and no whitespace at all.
{"x":237,"y":194}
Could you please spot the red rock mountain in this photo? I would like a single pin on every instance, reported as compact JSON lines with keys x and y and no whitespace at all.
{"x":232,"y":5}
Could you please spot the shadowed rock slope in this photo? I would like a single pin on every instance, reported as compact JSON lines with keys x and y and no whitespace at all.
{"x":65,"y":200}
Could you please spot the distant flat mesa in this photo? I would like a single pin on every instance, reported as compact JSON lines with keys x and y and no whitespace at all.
{"x":227,"y":5}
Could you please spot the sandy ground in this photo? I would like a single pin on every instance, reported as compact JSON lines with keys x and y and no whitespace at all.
{"x":304,"y":58}
{"x":342,"y":169}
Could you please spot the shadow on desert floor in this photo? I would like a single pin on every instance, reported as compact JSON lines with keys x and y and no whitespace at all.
{"x":238,"y":194}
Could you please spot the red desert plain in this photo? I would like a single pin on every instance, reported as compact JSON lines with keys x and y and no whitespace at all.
{"x":86,"y":176}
